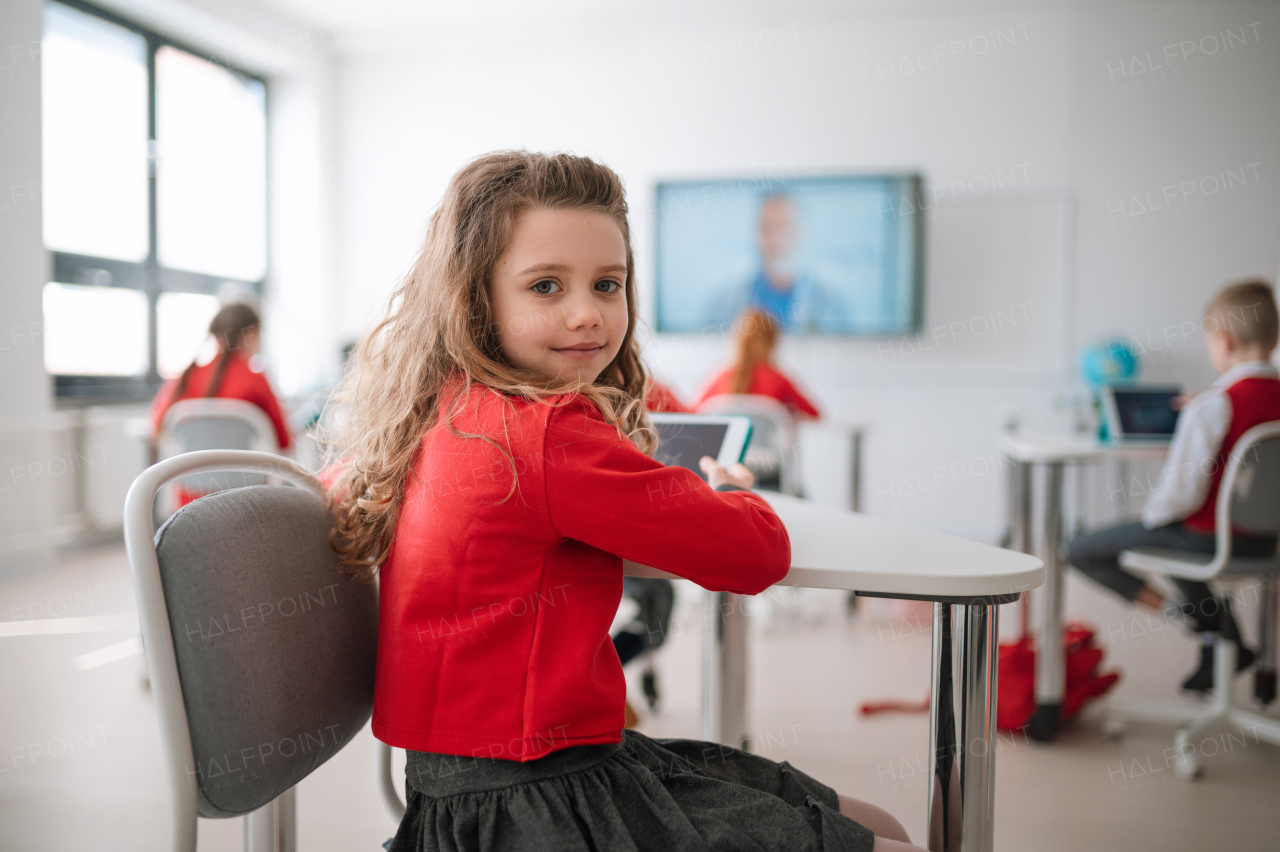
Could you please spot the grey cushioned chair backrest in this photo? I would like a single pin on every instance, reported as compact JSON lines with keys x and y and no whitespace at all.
{"x":216,"y":433}
{"x":1255,"y":501}
{"x":275,"y":648}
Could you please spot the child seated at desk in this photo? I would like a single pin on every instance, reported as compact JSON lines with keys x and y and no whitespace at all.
{"x":752,"y":372}
{"x":500,"y":470}
{"x":237,"y":331}
{"x":1180,"y":511}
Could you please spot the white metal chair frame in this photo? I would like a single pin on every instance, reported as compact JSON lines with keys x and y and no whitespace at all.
{"x":216,"y":408}
{"x":272,"y":827}
{"x":784,"y":424}
{"x":1221,"y":707}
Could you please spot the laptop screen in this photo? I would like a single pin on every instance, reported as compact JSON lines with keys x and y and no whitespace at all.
{"x":1146,"y":413}
{"x":682,"y":444}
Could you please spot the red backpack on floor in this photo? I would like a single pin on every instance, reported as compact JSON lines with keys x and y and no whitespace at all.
{"x":1016,"y":700}
{"x":1017,"y":672}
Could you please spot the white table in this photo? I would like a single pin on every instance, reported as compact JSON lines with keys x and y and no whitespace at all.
{"x":834,"y":549}
{"x":1053,"y":452}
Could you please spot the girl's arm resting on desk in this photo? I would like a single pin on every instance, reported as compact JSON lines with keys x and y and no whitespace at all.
{"x":602,"y":491}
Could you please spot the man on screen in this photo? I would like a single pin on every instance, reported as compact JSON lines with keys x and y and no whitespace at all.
{"x":792,"y":295}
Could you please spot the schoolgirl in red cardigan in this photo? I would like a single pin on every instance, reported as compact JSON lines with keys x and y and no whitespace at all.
{"x":497,"y":470}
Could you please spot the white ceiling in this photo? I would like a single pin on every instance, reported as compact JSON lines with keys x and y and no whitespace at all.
{"x":363,"y":17}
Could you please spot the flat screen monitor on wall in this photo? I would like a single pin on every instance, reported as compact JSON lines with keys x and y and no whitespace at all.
{"x":834,"y":255}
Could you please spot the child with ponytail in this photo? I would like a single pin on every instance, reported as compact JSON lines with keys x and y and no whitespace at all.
{"x":236,"y":330}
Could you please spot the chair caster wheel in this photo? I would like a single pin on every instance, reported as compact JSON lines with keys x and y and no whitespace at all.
{"x":1187,"y":767}
{"x":1043,"y":726}
{"x":1114,"y":728}
{"x":649,"y":684}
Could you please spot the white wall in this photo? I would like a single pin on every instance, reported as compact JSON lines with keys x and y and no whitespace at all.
{"x":1012,"y":113}
{"x":26,"y":444}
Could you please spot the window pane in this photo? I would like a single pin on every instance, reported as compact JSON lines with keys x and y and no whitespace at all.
{"x":182,"y":327}
{"x":94,"y":88}
{"x":211,"y":171}
{"x":95,"y":331}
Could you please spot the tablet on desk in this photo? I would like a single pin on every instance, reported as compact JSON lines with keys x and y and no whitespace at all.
{"x":1141,"y":413}
{"x":685,"y":438}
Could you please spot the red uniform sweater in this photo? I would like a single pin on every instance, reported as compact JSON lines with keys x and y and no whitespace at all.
{"x":239,"y":381}
{"x":766,"y":381}
{"x":495,"y":604}
{"x":663,"y":398}
{"x":1254,"y":400}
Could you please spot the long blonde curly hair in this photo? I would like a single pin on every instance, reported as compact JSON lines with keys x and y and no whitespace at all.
{"x":439,"y":325}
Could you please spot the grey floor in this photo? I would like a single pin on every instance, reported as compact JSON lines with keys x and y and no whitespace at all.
{"x":80,"y":763}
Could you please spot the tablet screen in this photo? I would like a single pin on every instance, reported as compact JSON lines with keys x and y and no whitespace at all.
{"x":682,"y":444}
{"x":1146,"y":413}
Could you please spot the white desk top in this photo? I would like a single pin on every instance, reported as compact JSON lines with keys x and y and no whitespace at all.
{"x":834,"y":549}
{"x":1067,"y":446}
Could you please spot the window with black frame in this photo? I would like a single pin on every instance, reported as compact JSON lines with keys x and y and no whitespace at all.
{"x":155,"y":200}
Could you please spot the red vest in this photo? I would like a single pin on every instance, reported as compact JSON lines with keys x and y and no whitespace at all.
{"x":1254,"y":400}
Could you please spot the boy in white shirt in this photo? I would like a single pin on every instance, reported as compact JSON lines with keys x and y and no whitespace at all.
{"x":1242,"y":326}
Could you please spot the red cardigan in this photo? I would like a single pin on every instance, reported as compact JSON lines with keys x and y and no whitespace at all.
{"x":238,"y":382}
{"x":766,"y":381}
{"x":495,"y":605}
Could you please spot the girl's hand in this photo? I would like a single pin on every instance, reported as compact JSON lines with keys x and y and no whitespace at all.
{"x":718,"y":475}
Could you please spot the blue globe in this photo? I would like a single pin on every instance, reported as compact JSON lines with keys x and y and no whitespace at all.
{"x":1107,"y":362}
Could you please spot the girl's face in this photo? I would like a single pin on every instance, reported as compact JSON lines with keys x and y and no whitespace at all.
{"x":559,"y":293}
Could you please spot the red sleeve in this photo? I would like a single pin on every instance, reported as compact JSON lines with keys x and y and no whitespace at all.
{"x":602,"y":491}
{"x":797,"y":400}
{"x":265,"y":399}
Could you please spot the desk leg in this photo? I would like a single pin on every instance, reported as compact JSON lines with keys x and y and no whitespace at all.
{"x":1050,"y":672}
{"x":855,"y":482}
{"x":962,"y":729}
{"x":1020,"y":527}
{"x":1020,"y":507}
{"x":724,"y":671}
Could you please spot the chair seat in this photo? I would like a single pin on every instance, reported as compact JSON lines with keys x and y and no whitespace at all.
{"x":1182,"y":563}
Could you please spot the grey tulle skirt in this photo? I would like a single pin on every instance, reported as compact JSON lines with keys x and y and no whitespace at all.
{"x":640,"y":794}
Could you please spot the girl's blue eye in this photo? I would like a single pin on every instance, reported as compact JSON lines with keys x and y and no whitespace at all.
{"x":537,"y":288}
{"x":611,"y":286}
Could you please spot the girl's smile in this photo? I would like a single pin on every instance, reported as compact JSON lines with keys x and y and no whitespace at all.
{"x":583,"y":351}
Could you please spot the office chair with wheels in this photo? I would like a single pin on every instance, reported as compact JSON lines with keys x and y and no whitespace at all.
{"x":1248,"y":499}
{"x":261,"y":653}
{"x":772,"y":455}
